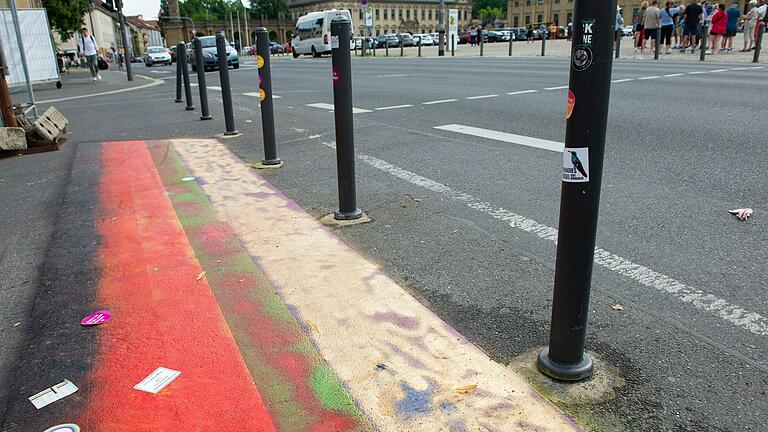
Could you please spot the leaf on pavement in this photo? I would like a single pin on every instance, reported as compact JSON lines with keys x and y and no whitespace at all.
{"x":200,"y":276}
{"x":313,"y":326}
{"x":468,"y":388}
{"x":617,"y":307}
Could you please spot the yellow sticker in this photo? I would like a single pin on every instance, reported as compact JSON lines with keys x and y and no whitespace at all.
{"x":260,"y":61}
{"x":262,"y":95}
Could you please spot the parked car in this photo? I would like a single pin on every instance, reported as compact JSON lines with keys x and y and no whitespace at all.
{"x":493,"y":36}
{"x":425,"y":39}
{"x":407,"y":39}
{"x":628,"y":31}
{"x":520,"y":33}
{"x":157,"y":55}
{"x":359,"y":43}
{"x":464,"y":38}
{"x":507,"y":32}
{"x":172,"y":52}
{"x":275,"y":48}
{"x":210,"y":61}
{"x":389,"y":40}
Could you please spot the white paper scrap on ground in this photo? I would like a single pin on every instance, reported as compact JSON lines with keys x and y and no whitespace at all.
{"x":742,"y":214}
{"x":52,"y":394}
{"x":157,"y":380}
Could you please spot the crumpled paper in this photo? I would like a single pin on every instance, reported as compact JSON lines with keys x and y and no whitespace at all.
{"x":742,"y":214}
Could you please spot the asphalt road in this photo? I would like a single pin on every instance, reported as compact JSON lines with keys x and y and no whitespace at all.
{"x":681,"y":150}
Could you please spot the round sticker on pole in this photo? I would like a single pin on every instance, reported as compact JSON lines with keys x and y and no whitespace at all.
{"x":581,"y":58}
{"x":69,"y":427}
{"x":259,"y":61}
{"x":262,"y":95}
{"x":96,"y":318}
{"x":571,"y":104}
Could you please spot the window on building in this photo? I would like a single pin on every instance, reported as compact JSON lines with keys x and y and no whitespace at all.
{"x":541,"y":2}
{"x":539,"y":18}
{"x":385,"y":14}
{"x":517,"y":4}
{"x":570,"y":17}
{"x":527,"y":2}
{"x":423,"y":14}
{"x":378,"y":32}
{"x":361,"y":13}
{"x":556,"y":19}
{"x":400,"y":13}
{"x":430,"y":14}
{"x":466,"y":14}
{"x":527,"y":19}
{"x":516,"y":21}
{"x":408,"y":14}
{"x":377,"y":14}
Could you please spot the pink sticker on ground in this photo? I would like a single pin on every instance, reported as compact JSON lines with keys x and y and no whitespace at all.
{"x":96,"y":318}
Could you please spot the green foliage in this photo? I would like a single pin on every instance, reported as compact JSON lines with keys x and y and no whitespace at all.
{"x":490,"y":14}
{"x":479,"y":5}
{"x":268,"y":8}
{"x":66,"y":16}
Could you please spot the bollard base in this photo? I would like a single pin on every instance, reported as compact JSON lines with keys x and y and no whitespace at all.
{"x":331,"y":221}
{"x":179,"y":100}
{"x":355,"y":214}
{"x":262,"y":165}
{"x":190,"y":108}
{"x":564,"y":372}
{"x":205,"y":117}
{"x":276,"y":161}
{"x":225,"y":135}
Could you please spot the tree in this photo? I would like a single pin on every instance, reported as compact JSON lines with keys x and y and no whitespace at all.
{"x":491,"y":14}
{"x":479,"y":5}
{"x":268,"y":8}
{"x":66,"y":16}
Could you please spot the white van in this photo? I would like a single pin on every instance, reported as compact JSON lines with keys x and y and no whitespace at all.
{"x":313,"y":33}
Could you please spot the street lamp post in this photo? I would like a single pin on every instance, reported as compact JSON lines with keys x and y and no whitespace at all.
{"x":124,"y":38}
{"x":441,"y":29}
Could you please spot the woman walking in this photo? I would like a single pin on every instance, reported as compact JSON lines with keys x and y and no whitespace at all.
{"x":719,"y":21}
{"x":750,"y":20}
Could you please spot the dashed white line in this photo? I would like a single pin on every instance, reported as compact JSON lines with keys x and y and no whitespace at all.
{"x":504,"y":136}
{"x":757,"y":67}
{"x":482,"y":97}
{"x":439,"y":101}
{"x":330,"y":107}
{"x":314,"y":136}
{"x":740,"y":69}
{"x":393,"y":107}
{"x":674,"y":75}
{"x":697,"y":72}
{"x":721,"y":308}
{"x":718,"y":70}
{"x":556,"y":88}
{"x":649,"y":77}
{"x":623,"y":80}
{"x":522,"y":92}
{"x":214,"y":88}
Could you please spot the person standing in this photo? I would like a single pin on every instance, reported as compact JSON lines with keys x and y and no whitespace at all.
{"x":692,"y":15}
{"x":651,"y":23}
{"x":734,"y":14}
{"x":667,"y":22}
{"x":619,"y":25}
{"x":750,"y":19}
{"x":719,"y":21}
{"x":90,"y":51}
{"x":639,"y":22}
{"x":472,"y":36}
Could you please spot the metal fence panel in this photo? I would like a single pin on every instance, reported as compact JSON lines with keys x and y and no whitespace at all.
{"x":38,"y":47}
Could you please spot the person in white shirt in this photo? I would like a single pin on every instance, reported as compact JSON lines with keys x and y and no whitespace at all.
{"x":90,"y":51}
{"x":750,"y":19}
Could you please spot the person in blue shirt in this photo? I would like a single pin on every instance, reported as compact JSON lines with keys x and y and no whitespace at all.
{"x":667,"y":22}
{"x":734,"y":14}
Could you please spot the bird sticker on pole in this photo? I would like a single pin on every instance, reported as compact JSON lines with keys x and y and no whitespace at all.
{"x":576,"y":165}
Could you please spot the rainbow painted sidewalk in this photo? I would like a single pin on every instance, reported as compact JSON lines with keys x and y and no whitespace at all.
{"x":274,"y":323}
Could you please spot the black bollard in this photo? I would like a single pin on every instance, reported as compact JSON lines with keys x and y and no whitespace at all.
{"x":543,"y":41}
{"x":265,"y":96}
{"x":386,"y":46}
{"x":401,"y":47}
{"x":200,"y":65}
{"x":704,"y":37}
{"x":657,"y":47}
{"x":419,"y":46}
{"x":619,"y":34}
{"x":179,"y":78}
{"x":511,"y":38}
{"x":185,"y":75}
{"x":226,"y":91}
{"x":480,"y":36}
{"x":587,"y":118}
{"x":758,"y":41}
{"x":342,"y":101}
{"x":453,"y":45}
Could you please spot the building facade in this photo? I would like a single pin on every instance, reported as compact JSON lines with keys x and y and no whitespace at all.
{"x":102,"y":25}
{"x":522,"y":13}
{"x":22,"y":4}
{"x":143,"y":34}
{"x":390,"y":16}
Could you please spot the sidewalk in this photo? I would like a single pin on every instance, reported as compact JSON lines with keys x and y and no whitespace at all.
{"x":272,"y":320}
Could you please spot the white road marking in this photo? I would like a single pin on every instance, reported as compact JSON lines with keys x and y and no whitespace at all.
{"x":648,"y":77}
{"x":674,"y":75}
{"x":740,"y":69}
{"x":757,"y":67}
{"x":155,"y":81}
{"x":504,"y":136}
{"x":697,"y":72}
{"x":256,"y":94}
{"x":721,"y":308}
{"x":193,"y":84}
{"x":314,"y":136}
{"x":330,"y":107}
{"x":718,"y":70}
{"x":160,"y":72}
{"x":623,"y":80}
{"x":482,"y":97}
{"x":392,"y":76}
{"x":214,"y":88}
{"x":439,"y":101}
{"x":556,"y":88}
{"x":393,"y":107}
{"x":522,"y":92}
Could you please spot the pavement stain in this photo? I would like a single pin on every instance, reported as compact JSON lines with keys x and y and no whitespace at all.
{"x":299,"y":389}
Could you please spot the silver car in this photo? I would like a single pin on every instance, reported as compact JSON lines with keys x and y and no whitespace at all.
{"x":157,"y":55}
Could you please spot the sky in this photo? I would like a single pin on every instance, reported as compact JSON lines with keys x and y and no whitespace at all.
{"x":147,"y":8}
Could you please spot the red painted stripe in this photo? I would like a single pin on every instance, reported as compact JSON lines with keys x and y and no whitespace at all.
{"x":159,"y":318}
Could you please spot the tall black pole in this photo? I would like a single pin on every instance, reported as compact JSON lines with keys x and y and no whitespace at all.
{"x":480,"y":36}
{"x":185,"y":75}
{"x":704,"y":37}
{"x":226,"y":90}
{"x":200,"y":66}
{"x":342,"y":101}
{"x":657,"y":44}
{"x":128,"y":50}
{"x":619,"y":34}
{"x":588,"y":94}
{"x":179,"y":77}
{"x":511,"y":39}
{"x":265,"y":96}
{"x":759,"y":41}
{"x":544,"y":41}
{"x":441,"y":29}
